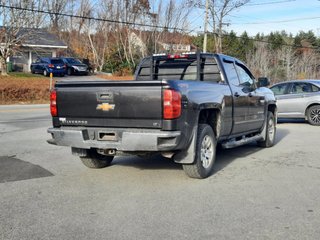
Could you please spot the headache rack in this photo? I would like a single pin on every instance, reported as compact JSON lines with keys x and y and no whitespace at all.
{"x":184,"y":66}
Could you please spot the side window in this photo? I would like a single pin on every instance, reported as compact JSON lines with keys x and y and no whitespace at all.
{"x":231,"y":73}
{"x":298,"y":88}
{"x":315,"y":88}
{"x":246,"y":80}
{"x":279,"y":89}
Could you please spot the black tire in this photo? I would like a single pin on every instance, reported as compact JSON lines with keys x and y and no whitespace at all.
{"x":45,"y":73}
{"x":313,"y":115}
{"x":270,"y":132}
{"x":96,"y":160}
{"x":69,"y":71}
{"x":205,"y":154}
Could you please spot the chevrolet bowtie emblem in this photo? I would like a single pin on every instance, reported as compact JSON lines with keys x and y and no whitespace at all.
{"x":105,"y":107}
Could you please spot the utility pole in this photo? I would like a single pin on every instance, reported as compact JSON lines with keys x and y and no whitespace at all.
{"x":205,"y":40}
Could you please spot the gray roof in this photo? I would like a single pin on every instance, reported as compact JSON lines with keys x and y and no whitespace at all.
{"x":41,"y":38}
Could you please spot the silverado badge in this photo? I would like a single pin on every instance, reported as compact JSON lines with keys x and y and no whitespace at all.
{"x":105,"y":107}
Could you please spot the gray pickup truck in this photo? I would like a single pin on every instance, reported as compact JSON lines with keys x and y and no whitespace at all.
{"x":181,"y":106}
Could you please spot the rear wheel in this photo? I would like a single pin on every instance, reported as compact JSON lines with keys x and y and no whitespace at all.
{"x":270,"y":132}
{"x":313,"y":115}
{"x":96,"y":160}
{"x":45,"y":73}
{"x":205,"y":154}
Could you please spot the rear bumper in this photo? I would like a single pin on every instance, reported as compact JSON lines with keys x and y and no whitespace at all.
{"x":80,"y":72}
{"x":127,"y":140}
{"x":57,"y":71}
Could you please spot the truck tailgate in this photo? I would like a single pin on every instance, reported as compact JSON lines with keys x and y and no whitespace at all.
{"x":110,"y":103}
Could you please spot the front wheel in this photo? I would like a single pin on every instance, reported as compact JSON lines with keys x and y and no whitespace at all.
{"x":313,"y":115}
{"x":96,"y":160}
{"x":205,"y":154}
{"x":270,"y":136}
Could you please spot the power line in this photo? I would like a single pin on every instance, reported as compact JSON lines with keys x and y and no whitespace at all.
{"x":280,"y":21}
{"x":90,"y":18}
{"x":268,"y":3}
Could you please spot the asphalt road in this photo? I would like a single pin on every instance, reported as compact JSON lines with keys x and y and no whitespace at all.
{"x":46,"y":193}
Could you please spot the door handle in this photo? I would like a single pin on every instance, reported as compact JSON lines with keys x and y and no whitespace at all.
{"x":236,"y":94}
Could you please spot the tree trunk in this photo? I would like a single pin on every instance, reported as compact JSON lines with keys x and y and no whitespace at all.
{"x":3,"y":67}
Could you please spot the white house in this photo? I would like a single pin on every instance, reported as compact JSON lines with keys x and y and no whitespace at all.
{"x":40,"y":43}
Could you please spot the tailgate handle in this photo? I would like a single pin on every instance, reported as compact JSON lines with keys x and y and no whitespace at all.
{"x":105,"y":96}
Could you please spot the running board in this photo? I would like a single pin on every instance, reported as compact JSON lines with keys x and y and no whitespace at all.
{"x":236,"y":143}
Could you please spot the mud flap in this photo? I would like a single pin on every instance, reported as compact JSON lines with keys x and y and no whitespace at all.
{"x":264,"y":131}
{"x":188,"y":156}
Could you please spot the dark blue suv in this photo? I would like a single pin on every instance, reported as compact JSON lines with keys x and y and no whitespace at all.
{"x":45,"y":66}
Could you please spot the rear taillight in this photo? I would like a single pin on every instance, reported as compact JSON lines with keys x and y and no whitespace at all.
{"x":64,"y":66}
{"x":53,"y":103}
{"x":51,"y":66}
{"x":171,"y":104}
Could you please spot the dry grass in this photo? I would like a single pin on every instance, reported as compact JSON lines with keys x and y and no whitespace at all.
{"x":22,"y":90}
{"x":32,"y":89}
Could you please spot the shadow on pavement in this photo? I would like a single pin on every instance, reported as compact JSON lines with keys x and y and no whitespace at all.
{"x":223,"y":158}
{"x":226,"y":156}
{"x":13,"y":169}
{"x":154,"y":162}
{"x":290,"y":120}
{"x":281,"y":134}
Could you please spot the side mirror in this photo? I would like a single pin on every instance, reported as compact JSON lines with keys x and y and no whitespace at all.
{"x":263,"y":82}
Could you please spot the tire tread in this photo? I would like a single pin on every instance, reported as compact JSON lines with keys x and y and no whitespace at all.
{"x":195,"y":170}
{"x":95,"y":160}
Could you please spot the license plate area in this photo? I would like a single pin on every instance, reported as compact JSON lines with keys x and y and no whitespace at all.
{"x":107,"y":136}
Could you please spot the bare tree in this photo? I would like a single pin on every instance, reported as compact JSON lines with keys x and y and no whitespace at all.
{"x":286,"y":54}
{"x":56,"y":6}
{"x":306,"y":64}
{"x":260,"y":59}
{"x":13,"y":27}
{"x":219,"y":10}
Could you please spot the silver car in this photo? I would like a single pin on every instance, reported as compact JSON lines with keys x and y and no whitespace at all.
{"x":298,"y":99}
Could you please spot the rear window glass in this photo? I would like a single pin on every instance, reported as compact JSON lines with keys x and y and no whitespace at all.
{"x":73,"y":61}
{"x":56,"y":61}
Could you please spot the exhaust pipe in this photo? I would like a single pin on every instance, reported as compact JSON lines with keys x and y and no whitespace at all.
{"x":108,"y":152}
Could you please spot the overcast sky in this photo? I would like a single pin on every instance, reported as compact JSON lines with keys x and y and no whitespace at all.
{"x":265,"y":16}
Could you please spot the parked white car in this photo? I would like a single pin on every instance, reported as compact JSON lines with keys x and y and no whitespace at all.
{"x":298,"y":99}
